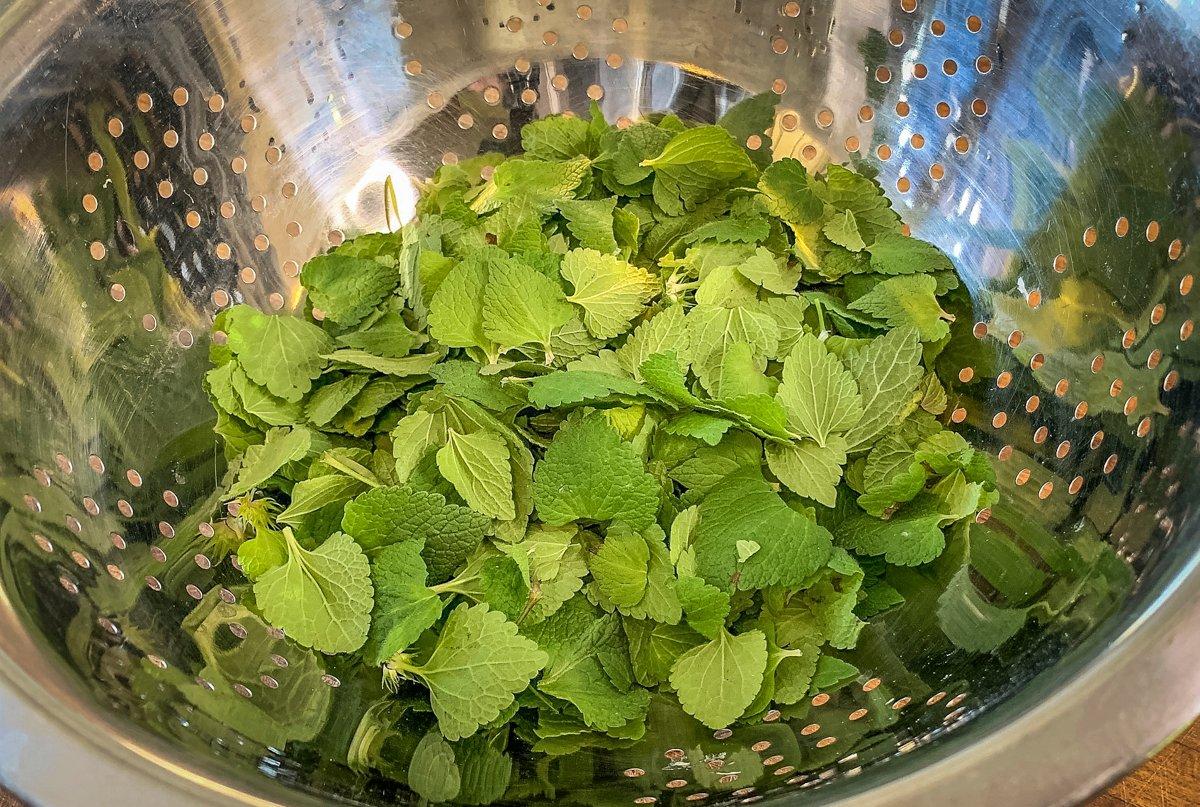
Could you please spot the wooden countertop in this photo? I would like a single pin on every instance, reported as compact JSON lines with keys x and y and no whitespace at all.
{"x":1171,"y":779}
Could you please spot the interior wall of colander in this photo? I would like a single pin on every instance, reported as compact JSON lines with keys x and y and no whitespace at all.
{"x":165,"y":160}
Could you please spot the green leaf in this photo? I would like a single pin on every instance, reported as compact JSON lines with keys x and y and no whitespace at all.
{"x":555,"y":138}
{"x":478,"y":466}
{"x":706,"y":428}
{"x":818,"y":393}
{"x":310,"y":495}
{"x":770,"y":272}
{"x":347,"y":288}
{"x":717,"y":680}
{"x":754,"y":115}
{"x":695,"y":165}
{"x":448,"y":533}
{"x":713,"y":330}
{"x":330,"y":399}
{"x":590,"y":473}
{"x":485,"y":768}
{"x":463,"y":379}
{"x":261,"y":554}
{"x":832,"y":673}
{"x":387,"y":336}
{"x":743,"y":507}
{"x":404,"y":607}
{"x":663,"y":373}
{"x":842,"y":230}
{"x":610,"y":291}
{"x":788,"y":189}
{"x":907,"y":300}
{"x":572,"y":639}
{"x":621,"y":567}
{"x":456,"y":310}
{"x":571,"y":387}
{"x":476,"y":669}
{"x":592,"y":222}
{"x":521,"y":306}
{"x":532,"y":183}
{"x":894,"y":253}
{"x":432,"y":772}
{"x":706,"y":607}
{"x":905,"y":540}
{"x":260,"y":463}
{"x":283,"y":354}
{"x":788,"y":313}
{"x":665,"y":332}
{"x":761,"y":412}
{"x":808,"y":469}
{"x":417,"y":364}
{"x":887,"y":372}
{"x":653,"y":648}
{"x":322,"y":598}
{"x":659,"y":602}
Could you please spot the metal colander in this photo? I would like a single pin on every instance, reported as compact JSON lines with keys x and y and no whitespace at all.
{"x":164,"y":159}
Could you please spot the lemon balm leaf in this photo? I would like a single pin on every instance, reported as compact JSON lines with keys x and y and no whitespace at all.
{"x":321,"y":598}
{"x":478,"y":466}
{"x":476,"y":669}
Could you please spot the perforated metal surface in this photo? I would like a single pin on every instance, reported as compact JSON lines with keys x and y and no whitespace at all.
{"x":164,"y":160}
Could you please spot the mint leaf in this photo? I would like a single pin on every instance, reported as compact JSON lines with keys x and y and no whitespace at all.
{"x":322,"y":598}
{"x":476,"y":669}
{"x":592,"y":222}
{"x":283,"y":354}
{"x":772,"y":273}
{"x":842,"y":230}
{"x":610,"y":291}
{"x":417,"y":364}
{"x":905,"y":540}
{"x":621,"y":567}
{"x":463,"y":379}
{"x":706,"y":428}
{"x":478,"y":466}
{"x":590,"y":473}
{"x":706,"y":607}
{"x":665,"y":332}
{"x":717,"y":680}
{"x":310,"y":495}
{"x":556,"y":138}
{"x":456,"y":310}
{"x":262,"y":553}
{"x":330,"y":399}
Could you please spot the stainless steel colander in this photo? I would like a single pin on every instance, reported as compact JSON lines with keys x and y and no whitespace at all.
{"x":164,"y":159}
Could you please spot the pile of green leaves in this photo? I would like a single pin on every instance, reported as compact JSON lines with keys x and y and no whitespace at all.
{"x":636,"y":411}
